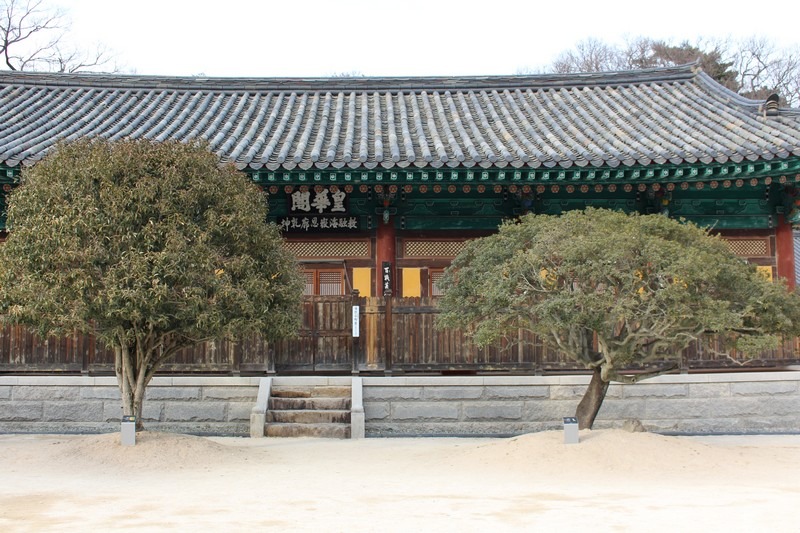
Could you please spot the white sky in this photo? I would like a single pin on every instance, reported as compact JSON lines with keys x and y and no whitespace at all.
{"x":396,"y":37}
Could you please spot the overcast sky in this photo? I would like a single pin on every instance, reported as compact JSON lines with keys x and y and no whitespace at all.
{"x":398,"y":37}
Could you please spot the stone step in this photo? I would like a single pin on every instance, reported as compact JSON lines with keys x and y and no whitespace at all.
{"x":312,"y":391}
{"x":307,"y":416}
{"x":314,"y":404}
{"x":309,"y":411}
{"x":327,"y":431}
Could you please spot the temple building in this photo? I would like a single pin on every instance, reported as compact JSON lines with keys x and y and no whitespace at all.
{"x":377,"y":182}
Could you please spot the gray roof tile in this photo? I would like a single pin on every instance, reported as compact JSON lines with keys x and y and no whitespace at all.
{"x":673,"y":115}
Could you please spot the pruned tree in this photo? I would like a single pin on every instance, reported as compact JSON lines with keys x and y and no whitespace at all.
{"x":151,"y":247}
{"x":613,"y":291}
{"x":711,"y":57}
{"x":755,"y":67}
{"x":32,"y":37}
{"x":594,"y":55}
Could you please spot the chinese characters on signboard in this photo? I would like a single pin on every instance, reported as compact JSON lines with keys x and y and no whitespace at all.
{"x":322,"y":201}
{"x":317,"y":223}
{"x":386,"y":273}
{"x":317,"y":209}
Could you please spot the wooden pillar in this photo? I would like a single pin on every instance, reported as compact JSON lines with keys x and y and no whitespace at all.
{"x":784,"y":243}
{"x":385,"y":252}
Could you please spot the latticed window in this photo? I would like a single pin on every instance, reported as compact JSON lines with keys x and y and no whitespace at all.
{"x":324,"y":282}
{"x":330,"y":283}
{"x":433,"y":278}
{"x":309,"y":289}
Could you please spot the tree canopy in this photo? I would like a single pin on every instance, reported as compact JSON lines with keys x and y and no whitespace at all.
{"x":152,"y":247}
{"x":612,"y":290}
{"x":755,"y":67}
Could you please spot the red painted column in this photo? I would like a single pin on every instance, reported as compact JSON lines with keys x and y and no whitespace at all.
{"x":784,"y":244}
{"x":385,"y":251}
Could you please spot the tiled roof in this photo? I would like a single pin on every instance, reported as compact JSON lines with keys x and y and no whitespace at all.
{"x":674,"y":115}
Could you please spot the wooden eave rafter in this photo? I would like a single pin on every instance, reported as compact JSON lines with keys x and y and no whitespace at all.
{"x":784,"y":170}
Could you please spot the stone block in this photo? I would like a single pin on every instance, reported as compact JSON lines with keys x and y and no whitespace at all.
{"x":195,"y":412}
{"x":517,"y":392}
{"x":112,"y":411}
{"x":257,"y":422}
{"x":236,"y":394}
{"x":239,"y":411}
{"x":548,"y":411}
{"x":392,"y":393}
{"x":676,"y":409}
{"x":493,"y":411}
{"x":613,"y":409}
{"x":452,"y":393}
{"x":376,"y":410}
{"x":655,"y":390}
{"x":33,"y":393}
{"x":567,"y":392}
{"x":73,"y":411}
{"x":785,"y":406}
{"x":518,"y":381}
{"x":709,"y":390}
{"x":100,"y":393}
{"x":153,"y":411}
{"x":684,"y":409}
{"x":21,"y":411}
{"x":450,"y":429}
{"x":426,"y":411}
{"x":5,"y":392}
{"x":173,"y":393}
{"x":57,"y":381}
{"x":231,"y":429}
{"x":755,"y":388}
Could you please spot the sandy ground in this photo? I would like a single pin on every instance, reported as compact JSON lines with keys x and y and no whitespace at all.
{"x":610,"y":481}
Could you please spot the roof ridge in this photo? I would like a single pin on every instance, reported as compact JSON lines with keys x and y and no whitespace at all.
{"x":322,"y":84}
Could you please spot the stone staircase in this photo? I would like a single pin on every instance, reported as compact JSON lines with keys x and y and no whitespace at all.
{"x":309,"y":411}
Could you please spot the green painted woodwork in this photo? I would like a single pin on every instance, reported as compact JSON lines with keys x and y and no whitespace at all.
{"x":745,"y":195}
{"x":9,"y":178}
{"x":635,"y":174}
{"x":745,"y":207}
{"x":449,"y":223}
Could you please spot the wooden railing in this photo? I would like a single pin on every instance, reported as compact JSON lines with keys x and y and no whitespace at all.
{"x":395,"y":335}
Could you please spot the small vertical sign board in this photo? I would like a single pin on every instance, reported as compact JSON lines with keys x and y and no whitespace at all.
{"x":386,"y":276}
{"x":128,"y":432}
{"x":356,"y":317}
{"x":570,"y":430}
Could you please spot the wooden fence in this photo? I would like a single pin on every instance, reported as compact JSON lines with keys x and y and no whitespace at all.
{"x":394,"y":335}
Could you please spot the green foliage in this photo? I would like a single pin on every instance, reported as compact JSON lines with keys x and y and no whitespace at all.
{"x":710,"y":60}
{"x":754,"y":66}
{"x":643,"y":287}
{"x":150,"y":246}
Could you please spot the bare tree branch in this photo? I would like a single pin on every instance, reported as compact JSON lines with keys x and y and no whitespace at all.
{"x":33,"y":36}
{"x":755,"y":67}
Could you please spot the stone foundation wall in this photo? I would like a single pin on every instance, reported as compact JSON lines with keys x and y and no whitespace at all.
{"x":757,"y":402}
{"x":754,"y":402}
{"x":73,"y":404}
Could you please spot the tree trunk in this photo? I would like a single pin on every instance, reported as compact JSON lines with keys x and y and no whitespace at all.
{"x":138,"y":401}
{"x":132,"y":382}
{"x":591,"y":401}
